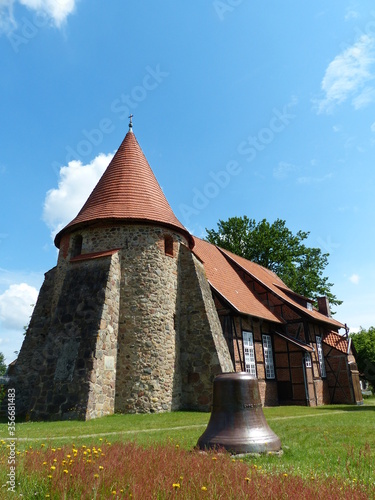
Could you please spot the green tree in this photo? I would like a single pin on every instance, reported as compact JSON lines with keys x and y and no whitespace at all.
{"x":275,"y":247}
{"x":364,"y":344}
{"x":3,"y":366}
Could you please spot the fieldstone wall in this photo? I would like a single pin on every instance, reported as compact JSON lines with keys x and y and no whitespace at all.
{"x":148,"y":351}
{"x":129,"y":324}
{"x":31,"y":357}
{"x":71,"y":381}
{"x":204,"y":351}
{"x":102,"y":381}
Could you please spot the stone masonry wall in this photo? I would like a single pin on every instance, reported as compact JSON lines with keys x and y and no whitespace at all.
{"x":204,"y":351}
{"x":102,"y":384}
{"x":31,"y":357}
{"x":148,"y":374}
{"x":76,"y":345}
{"x":133,"y":330}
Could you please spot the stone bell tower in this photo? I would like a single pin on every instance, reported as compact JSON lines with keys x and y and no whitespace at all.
{"x":125,"y":321}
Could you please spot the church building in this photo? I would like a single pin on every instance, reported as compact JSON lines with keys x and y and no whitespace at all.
{"x":139,"y":315}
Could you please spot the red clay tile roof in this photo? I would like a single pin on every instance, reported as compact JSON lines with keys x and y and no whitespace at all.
{"x":337,"y":341}
{"x":224,"y":279}
{"x":271,"y":281}
{"x":127,"y":191}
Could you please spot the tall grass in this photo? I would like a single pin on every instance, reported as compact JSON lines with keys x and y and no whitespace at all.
{"x":328,"y":452}
{"x":129,"y":470}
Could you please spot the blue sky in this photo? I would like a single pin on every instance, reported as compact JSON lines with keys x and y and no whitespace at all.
{"x":240,"y":108}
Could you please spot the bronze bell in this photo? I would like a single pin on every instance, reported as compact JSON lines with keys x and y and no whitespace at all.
{"x":237,"y":421}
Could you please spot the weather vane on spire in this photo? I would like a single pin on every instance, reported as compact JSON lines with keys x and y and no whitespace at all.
{"x":130,"y":123}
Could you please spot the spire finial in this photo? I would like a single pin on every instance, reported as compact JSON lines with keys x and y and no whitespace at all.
{"x":130,"y":123}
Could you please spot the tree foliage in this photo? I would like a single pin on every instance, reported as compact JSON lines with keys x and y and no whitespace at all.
{"x":364,"y":344}
{"x":275,"y":247}
{"x":3,"y":366}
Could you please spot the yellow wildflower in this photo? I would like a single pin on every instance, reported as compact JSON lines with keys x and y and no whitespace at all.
{"x":101,"y":467}
{"x":247,"y":479}
{"x":176,"y":486}
{"x":204,"y":488}
{"x":114,"y":492}
{"x":53,"y":467}
{"x":214,"y":458}
{"x":49,"y":476}
{"x":96,"y":475}
{"x":66,"y":471}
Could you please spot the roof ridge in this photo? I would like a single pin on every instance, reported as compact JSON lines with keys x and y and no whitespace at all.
{"x":274,"y":288}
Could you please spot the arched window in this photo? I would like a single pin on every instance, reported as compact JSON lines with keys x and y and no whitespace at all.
{"x":168,"y":245}
{"x":76,"y":245}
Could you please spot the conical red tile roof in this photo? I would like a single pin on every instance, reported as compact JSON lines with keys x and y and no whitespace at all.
{"x":127,"y":191}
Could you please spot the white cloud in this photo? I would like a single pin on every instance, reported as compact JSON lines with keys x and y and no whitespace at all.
{"x":16,"y":306}
{"x":283,"y":170}
{"x":354,"y":278}
{"x":373,"y":127}
{"x":367,"y":96}
{"x":76,"y":182}
{"x":351,"y":14}
{"x":56,"y":10}
{"x":347,"y":76}
{"x":314,"y":180}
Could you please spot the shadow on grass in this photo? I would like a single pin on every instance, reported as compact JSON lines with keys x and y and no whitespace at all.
{"x":349,"y":408}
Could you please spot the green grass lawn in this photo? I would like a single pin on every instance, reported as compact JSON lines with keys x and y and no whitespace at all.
{"x":335,"y":441}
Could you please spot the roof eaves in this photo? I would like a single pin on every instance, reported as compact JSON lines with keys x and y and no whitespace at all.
{"x":299,"y":343}
{"x":291,"y":303}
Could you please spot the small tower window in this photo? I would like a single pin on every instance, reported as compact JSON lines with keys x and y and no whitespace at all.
{"x":77,"y":245}
{"x":168,"y":245}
